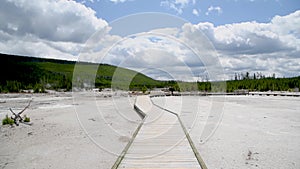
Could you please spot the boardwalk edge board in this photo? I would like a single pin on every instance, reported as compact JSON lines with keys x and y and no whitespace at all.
{"x":122,"y":155}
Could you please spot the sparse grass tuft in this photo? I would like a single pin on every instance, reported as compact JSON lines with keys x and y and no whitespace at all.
{"x":26,"y":119}
{"x":7,"y":120}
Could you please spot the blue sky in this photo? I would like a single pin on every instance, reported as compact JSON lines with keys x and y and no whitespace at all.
{"x":231,"y":11}
{"x":217,"y":38}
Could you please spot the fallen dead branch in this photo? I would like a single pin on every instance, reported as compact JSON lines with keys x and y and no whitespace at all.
{"x":17,"y":116}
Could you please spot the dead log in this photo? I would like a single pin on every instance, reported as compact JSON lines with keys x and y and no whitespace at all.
{"x":17,"y":116}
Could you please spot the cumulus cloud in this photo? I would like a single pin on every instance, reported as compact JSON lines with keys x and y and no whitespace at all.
{"x":255,"y":38}
{"x":61,"y":27}
{"x":168,"y":50}
{"x":252,"y":46}
{"x":156,"y":51}
{"x":242,"y":47}
{"x":142,"y":51}
{"x":216,"y":9}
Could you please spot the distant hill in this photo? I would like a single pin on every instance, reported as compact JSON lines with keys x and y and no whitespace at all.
{"x":22,"y":72}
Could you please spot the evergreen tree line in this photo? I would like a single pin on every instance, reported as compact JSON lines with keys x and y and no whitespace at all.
{"x":265,"y":84}
{"x":247,"y":76}
{"x":257,"y":84}
{"x":17,"y":75}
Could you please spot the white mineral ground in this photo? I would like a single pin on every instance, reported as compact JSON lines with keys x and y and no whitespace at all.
{"x":89,"y":130}
{"x":267,"y":126}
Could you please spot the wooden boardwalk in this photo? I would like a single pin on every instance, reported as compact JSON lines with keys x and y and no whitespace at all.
{"x":160,"y":142}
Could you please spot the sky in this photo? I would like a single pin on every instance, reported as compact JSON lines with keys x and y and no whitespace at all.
{"x":165,"y":39}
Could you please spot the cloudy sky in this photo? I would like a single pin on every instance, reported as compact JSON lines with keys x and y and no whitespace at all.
{"x":165,"y":39}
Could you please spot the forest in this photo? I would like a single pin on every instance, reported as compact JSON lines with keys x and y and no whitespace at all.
{"x":262,"y":84}
{"x":21,"y":73}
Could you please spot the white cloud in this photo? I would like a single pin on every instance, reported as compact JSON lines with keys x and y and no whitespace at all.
{"x":212,"y":9}
{"x":168,"y":50}
{"x":195,"y":12}
{"x":177,"y":5}
{"x":91,"y":1}
{"x":242,"y":47}
{"x":119,"y":1}
{"x":256,"y":38}
{"x":252,"y":46}
{"x":59,"y":28}
{"x":163,"y":54}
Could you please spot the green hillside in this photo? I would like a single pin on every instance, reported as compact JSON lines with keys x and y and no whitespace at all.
{"x":21,"y":73}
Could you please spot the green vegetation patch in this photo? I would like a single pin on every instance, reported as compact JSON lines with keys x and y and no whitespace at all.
{"x":7,"y":120}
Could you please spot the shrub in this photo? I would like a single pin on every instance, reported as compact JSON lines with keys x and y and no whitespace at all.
{"x":144,"y":89}
{"x":39,"y":88}
{"x":7,"y":120}
{"x":26,"y":119}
